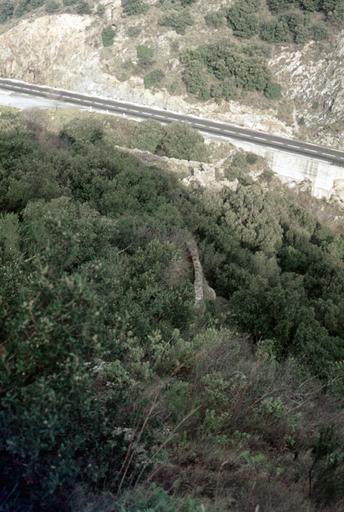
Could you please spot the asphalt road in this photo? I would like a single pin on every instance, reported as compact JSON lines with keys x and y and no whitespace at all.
{"x":165,"y":116}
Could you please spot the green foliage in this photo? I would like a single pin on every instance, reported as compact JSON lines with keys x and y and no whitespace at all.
{"x":83,"y":7}
{"x":334,"y":10}
{"x":75,"y":352}
{"x":319,"y":32}
{"x":326,"y":471}
{"x":196,"y":79}
{"x":52,"y":6}
{"x":100,"y":10}
{"x":239,"y":167}
{"x":232,"y":71}
{"x":242,"y":18}
{"x":291,"y":27}
{"x":153,"y":78}
{"x":156,"y":499}
{"x":108,"y":35}
{"x":145,"y":56}
{"x":182,"y":141}
{"x":277,"y":6}
{"x":6,"y":10}
{"x":276,"y":31}
{"x":134,"y":31}
{"x":178,"y":21}
{"x":82,"y":132}
{"x":215,"y":19}
{"x":108,"y":381}
{"x":273,"y":91}
{"x":148,"y":135}
{"x":134,"y":7}
{"x":23,"y":6}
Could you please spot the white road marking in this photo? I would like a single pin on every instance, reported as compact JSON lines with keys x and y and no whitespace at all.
{"x":131,"y":109}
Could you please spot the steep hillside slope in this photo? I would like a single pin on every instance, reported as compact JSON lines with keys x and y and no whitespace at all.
{"x":126,"y":383}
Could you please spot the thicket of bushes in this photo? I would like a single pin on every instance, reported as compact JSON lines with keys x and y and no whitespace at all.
{"x":108,"y":35}
{"x":153,"y":78}
{"x":224,"y":70}
{"x":175,"y":140}
{"x":134,"y":7}
{"x":177,"y":20}
{"x":293,"y":21}
{"x":114,"y":394}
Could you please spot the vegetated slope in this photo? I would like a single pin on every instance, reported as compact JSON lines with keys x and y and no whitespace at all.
{"x":276,"y":66}
{"x":116,"y":394}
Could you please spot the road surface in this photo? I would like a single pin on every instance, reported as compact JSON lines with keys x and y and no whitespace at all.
{"x":165,"y":116}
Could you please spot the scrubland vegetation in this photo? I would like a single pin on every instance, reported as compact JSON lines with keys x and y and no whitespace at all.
{"x":116,"y":394}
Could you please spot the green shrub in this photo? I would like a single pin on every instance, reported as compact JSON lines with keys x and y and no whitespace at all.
{"x":134,"y":7}
{"x":215,"y":19}
{"x":334,"y":10}
{"x":145,"y":56}
{"x":242,"y":18}
{"x":311,"y":5}
{"x":83,"y":7}
{"x":233,"y":70}
{"x":276,"y":31}
{"x":23,"y":6}
{"x":319,"y":32}
{"x":182,"y":141}
{"x":148,"y":135}
{"x":6,"y":10}
{"x":134,"y":31}
{"x":196,"y":80}
{"x":52,"y":6}
{"x":277,"y":6}
{"x":178,"y":21}
{"x":156,"y":499}
{"x":100,"y":10}
{"x":273,"y":91}
{"x":288,"y":27}
{"x":153,"y":78}
{"x":251,"y":158}
{"x":109,"y":378}
{"x":108,"y":35}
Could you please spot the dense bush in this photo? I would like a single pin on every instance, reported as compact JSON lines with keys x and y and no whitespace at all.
{"x":108,"y":35}
{"x":134,"y":7}
{"x":52,"y":6}
{"x":233,"y":71}
{"x":153,"y":78}
{"x":182,"y":141}
{"x":134,"y":31}
{"x":83,"y":7}
{"x":178,"y":21}
{"x":215,"y":19}
{"x":333,"y":9}
{"x":145,"y":56}
{"x":110,"y":381}
{"x":242,"y":18}
{"x":148,"y":136}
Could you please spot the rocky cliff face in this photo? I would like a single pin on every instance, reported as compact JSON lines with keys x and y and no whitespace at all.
{"x":313,"y":79}
{"x":51,"y":50}
{"x":65,"y":50}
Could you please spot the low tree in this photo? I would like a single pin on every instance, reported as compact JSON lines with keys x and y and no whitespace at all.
{"x":182,"y":141}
